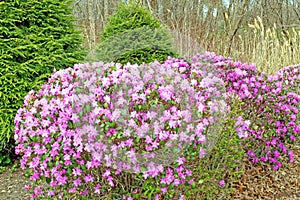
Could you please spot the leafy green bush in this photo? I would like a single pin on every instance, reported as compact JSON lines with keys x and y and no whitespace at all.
{"x":4,"y":160}
{"x":223,"y":165}
{"x":35,"y":37}
{"x":134,"y":36}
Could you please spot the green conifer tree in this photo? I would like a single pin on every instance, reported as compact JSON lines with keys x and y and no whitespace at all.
{"x":134,"y":35}
{"x":35,"y":37}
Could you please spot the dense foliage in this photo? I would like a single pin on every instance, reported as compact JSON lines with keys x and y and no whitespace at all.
{"x":35,"y":38}
{"x":222,"y":167}
{"x":271,"y":103}
{"x":134,"y":35}
{"x":76,"y":135}
{"x":129,"y":16}
{"x":75,"y":127}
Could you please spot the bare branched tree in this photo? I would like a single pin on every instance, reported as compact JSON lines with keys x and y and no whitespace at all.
{"x":216,"y":25}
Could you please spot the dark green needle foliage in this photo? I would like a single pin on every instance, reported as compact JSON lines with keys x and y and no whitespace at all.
{"x":36,"y":36}
{"x":134,"y":35}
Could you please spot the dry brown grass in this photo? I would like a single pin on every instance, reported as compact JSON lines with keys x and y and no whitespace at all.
{"x":269,"y":49}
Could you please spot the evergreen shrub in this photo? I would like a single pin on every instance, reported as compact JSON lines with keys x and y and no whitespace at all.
{"x":134,"y":35}
{"x":35,"y":38}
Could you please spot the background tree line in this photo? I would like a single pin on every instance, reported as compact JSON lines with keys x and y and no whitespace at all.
{"x":235,"y":28}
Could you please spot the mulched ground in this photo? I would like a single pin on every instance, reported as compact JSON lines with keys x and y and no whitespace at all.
{"x":258,"y":182}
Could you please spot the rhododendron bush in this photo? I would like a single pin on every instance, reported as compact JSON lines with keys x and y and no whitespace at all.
{"x":271,"y":103}
{"x":139,"y":131}
{"x":91,"y":124}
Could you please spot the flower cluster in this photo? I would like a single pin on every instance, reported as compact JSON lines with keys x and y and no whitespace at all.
{"x":242,"y":127}
{"x":271,"y":103}
{"x":92,"y":124}
{"x":115,"y":119}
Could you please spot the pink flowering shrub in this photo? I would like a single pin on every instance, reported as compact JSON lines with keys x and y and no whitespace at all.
{"x":172,"y":131}
{"x":77,"y":135}
{"x":221,"y":168}
{"x":271,"y":103}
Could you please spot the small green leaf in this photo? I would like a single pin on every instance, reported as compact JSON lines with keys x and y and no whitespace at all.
{"x":48,"y":180}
